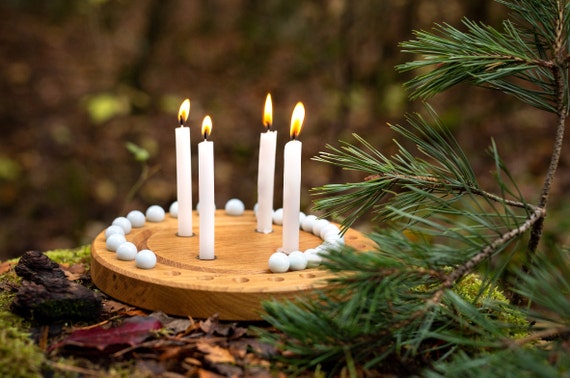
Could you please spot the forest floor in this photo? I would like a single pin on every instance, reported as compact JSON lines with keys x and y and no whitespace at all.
{"x":125,"y":340}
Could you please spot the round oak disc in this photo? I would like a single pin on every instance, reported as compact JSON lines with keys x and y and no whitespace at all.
{"x":232,"y":285}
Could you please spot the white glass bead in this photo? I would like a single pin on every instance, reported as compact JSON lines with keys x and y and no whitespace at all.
{"x":318,"y":225}
{"x":127,"y":251}
{"x":307,"y":223}
{"x":173,"y":209}
{"x":323,"y":249}
{"x":124,"y":223}
{"x":329,"y":229}
{"x":278,"y":216}
{"x":278,"y":262}
{"x":136,"y":218}
{"x":114,"y":229}
{"x":297,"y":260}
{"x":234,"y":207}
{"x":114,"y":241}
{"x":335,"y":241}
{"x":155,"y":213}
{"x":313,"y":257}
{"x":301,"y":217}
{"x":145,"y":259}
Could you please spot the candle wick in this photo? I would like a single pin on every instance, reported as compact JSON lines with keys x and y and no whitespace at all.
{"x":205,"y":136}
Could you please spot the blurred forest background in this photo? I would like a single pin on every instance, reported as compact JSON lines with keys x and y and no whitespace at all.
{"x":80,"y":79}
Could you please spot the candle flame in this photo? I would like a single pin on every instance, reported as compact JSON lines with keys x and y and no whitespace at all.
{"x":183,"y":112}
{"x":268,"y":112}
{"x":297,"y":120}
{"x":206,"y":126}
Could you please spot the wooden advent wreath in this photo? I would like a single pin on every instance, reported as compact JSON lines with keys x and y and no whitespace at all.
{"x":233,"y":285}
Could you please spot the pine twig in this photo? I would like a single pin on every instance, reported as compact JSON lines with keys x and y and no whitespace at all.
{"x":458,"y":188}
{"x":468,"y":266}
{"x":558,"y":72}
{"x":464,"y":269}
{"x":547,"y":333}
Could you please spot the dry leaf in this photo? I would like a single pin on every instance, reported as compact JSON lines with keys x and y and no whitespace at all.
{"x":215,"y":354}
{"x":131,"y":332}
{"x":5,"y":267}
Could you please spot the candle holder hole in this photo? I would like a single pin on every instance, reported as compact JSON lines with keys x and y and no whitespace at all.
{"x":198,"y":257}
{"x":206,"y":278}
{"x":276,"y":279}
{"x":184,"y":236}
{"x":307,"y":275}
{"x":263,"y":233}
{"x":241,"y":279}
{"x":172,"y":273}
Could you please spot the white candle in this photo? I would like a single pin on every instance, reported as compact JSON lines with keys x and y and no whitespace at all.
{"x":184,"y":172}
{"x":292,"y":183}
{"x":266,"y":171}
{"x":206,"y":192}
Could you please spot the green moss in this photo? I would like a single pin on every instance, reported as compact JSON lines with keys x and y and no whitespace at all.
{"x":7,"y":296}
{"x":70,"y":256}
{"x":19,"y":356}
{"x":470,"y":288}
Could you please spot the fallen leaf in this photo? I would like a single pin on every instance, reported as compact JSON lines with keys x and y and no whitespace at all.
{"x":131,"y":332}
{"x":113,"y":307}
{"x":193,"y":361}
{"x":208,"y":374}
{"x":172,"y":324}
{"x":215,"y":354}
{"x":73,"y":272}
{"x":212,"y":326}
{"x":5,"y":267}
{"x":170,"y":353}
{"x":209,"y":324}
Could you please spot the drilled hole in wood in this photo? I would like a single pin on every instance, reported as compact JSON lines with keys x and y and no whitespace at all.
{"x":173,"y":273}
{"x":307,"y":275}
{"x":276,"y":279}
{"x":206,"y":278}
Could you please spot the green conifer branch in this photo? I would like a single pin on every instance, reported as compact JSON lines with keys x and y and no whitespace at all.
{"x":411,"y":304}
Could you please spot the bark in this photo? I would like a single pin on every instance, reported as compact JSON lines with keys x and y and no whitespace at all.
{"x":47,"y":296}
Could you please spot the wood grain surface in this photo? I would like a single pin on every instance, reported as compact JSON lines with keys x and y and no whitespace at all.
{"x":233,"y":285}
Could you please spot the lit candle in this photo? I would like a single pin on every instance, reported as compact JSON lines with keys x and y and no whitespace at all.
{"x":292,"y":183}
{"x":266,"y":171}
{"x":184,"y":172}
{"x":206,"y":192}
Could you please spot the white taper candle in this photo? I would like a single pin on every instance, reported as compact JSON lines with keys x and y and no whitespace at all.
{"x":266,"y":172}
{"x":184,"y":172}
{"x":292,"y":183}
{"x":206,"y":193}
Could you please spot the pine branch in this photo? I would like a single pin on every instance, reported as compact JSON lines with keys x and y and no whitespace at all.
{"x":534,"y":52}
{"x":562,"y":88}
{"x":414,"y":304}
{"x":444,"y":170}
{"x":469,"y":265}
{"x":483,"y":56}
{"x":435,"y":184}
